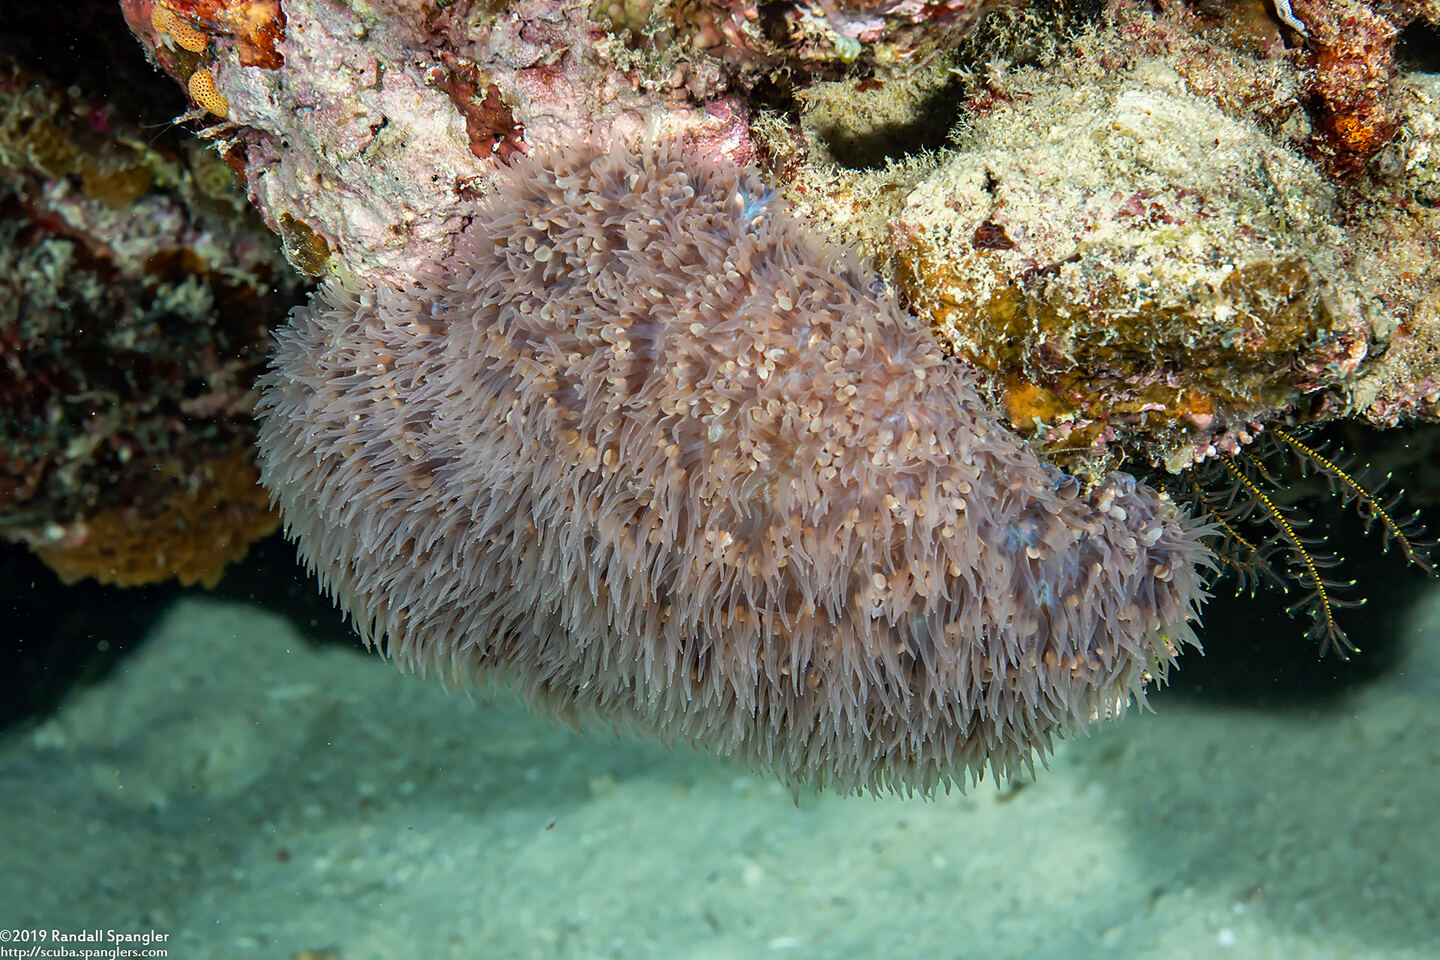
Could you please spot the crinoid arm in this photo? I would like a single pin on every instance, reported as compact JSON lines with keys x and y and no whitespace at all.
{"x":1248,"y":502}
{"x":1248,"y":558}
{"x":1263,"y":537}
{"x":1372,"y":503}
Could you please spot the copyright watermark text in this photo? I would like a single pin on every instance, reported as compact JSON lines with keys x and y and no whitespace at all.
{"x":95,"y":942}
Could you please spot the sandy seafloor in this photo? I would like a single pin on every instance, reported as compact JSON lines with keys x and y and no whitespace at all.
{"x":256,"y":796}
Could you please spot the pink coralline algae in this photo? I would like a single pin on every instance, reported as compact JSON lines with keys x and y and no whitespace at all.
{"x":816,"y":35}
{"x":376,"y":127}
{"x":653,"y":450}
{"x":375,"y":130}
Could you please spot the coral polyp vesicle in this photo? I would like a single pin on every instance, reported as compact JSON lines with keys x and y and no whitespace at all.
{"x":651,"y":449}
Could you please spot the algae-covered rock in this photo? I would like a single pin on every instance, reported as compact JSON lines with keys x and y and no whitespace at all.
{"x":1129,"y":260}
{"x":1136,"y":233}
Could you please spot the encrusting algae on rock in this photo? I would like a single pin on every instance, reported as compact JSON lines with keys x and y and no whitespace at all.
{"x":1125,"y":279}
{"x":653,"y":451}
{"x":1136,"y":229}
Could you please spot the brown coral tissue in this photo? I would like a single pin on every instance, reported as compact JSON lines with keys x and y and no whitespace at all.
{"x":653,"y":450}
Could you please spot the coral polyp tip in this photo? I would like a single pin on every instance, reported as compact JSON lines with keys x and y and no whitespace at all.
{"x":649,"y":448}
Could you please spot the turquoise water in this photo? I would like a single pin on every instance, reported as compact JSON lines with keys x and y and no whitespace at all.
{"x":250,"y":794}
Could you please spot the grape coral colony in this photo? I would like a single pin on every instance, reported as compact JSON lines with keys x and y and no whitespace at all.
{"x":653,"y":450}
